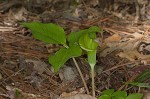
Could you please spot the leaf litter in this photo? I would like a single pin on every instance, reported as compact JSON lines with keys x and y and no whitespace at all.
{"x":130,"y":46}
{"x":124,"y":47}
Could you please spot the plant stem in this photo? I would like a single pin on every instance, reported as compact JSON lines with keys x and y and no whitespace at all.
{"x":93,"y":83}
{"x":81,"y":75}
{"x":66,"y":46}
{"x":92,"y":62}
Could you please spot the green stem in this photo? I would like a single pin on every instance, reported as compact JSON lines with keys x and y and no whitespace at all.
{"x":93,"y":83}
{"x":66,"y":46}
{"x":92,"y":62}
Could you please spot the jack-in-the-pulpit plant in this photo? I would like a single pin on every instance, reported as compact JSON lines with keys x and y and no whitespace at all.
{"x":73,"y":44}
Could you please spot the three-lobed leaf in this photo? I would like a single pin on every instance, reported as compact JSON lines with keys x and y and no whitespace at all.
{"x":73,"y":37}
{"x":47,"y":32}
{"x":63,"y":55}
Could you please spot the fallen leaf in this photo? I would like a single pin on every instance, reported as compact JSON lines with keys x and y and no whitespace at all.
{"x":17,"y":14}
{"x":67,"y":74}
{"x":113,"y":38}
{"x":11,"y":94}
{"x":35,"y":80}
{"x":129,"y":46}
{"x":94,"y":2}
{"x":146,"y":95}
{"x":134,"y":55}
{"x":40,"y":66}
{"x":66,"y":95}
{"x":79,"y":96}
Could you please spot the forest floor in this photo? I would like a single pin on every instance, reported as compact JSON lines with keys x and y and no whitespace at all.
{"x":123,"y":53}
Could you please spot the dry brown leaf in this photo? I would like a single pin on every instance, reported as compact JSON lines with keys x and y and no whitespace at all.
{"x":146,"y":95}
{"x":128,"y":45}
{"x":67,"y":74}
{"x":11,"y":94}
{"x":17,"y":14}
{"x":130,"y":55}
{"x":138,"y":35}
{"x":78,"y":91}
{"x":107,"y":51}
{"x":113,"y":38}
{"x":40,"y":66}
{"x":116,"y":43}
{"x":79,"y":96}
{"x":133,"y":55}
{"x":124,"y":46}
{"x":94,"y":2}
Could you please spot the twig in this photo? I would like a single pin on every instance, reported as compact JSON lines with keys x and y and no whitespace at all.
{"x":81,"y":75}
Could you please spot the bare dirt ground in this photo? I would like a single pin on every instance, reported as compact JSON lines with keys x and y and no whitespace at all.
{"x":124,"y":51}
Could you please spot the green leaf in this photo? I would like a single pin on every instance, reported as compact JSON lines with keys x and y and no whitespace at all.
{"x":118,"y":98}
{"x":143,"y":76}
{"x":74,"y":36}
{"x":104,"y":97}
{"x":47,"y":32}
{"x":92,"y":58}
{"x":135,"y":96}
{"x":87,"y":44}
{"x":94,"y":29}
{"x":145,"y":85}
{"x":108,"y":92}
{"x":119,"y":95}
{"x":63,"y":55}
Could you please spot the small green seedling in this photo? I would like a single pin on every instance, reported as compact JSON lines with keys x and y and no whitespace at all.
{"x":145,"y":75}
{"x":139,"y":84}
{"x":77,"y":42}
{"x":17,"y":93}
{"x":112,"y":94}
